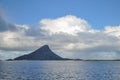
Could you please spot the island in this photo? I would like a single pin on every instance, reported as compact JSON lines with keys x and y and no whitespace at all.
{"x":43,"y":53}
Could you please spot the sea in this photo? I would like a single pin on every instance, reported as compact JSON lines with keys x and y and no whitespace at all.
{"x":59,"y":70}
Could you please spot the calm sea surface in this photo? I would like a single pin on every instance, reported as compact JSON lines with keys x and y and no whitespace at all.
{"x":59,"y":70}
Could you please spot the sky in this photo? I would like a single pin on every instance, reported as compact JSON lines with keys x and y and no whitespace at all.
{"x":72,"y":28}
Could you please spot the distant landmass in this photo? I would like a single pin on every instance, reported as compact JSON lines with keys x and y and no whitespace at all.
{"x":43,"y":53}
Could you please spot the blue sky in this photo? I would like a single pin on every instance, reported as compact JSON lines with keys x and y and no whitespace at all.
{"x":72,"y":28}
{"x":98,"y":13}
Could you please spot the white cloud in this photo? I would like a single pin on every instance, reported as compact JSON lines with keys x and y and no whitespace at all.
{"x":68,"y":24}
{"x":17,"y":41}
{"x":68,"y":36}
{"x":113,"y":30}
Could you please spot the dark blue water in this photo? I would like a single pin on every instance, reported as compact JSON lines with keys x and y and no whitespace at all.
{"x":60,"y":70}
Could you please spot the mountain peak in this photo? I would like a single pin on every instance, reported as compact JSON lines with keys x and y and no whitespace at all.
{"x":45,"y":46}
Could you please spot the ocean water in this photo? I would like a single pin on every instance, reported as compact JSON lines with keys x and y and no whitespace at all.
{"x":59,"y":70}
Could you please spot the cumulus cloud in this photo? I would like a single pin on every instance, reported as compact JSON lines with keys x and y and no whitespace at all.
{"x":113,"y":30}
{"x":68,"y":36}
{"x":16,"y":41}
{"x":68,"y":24}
